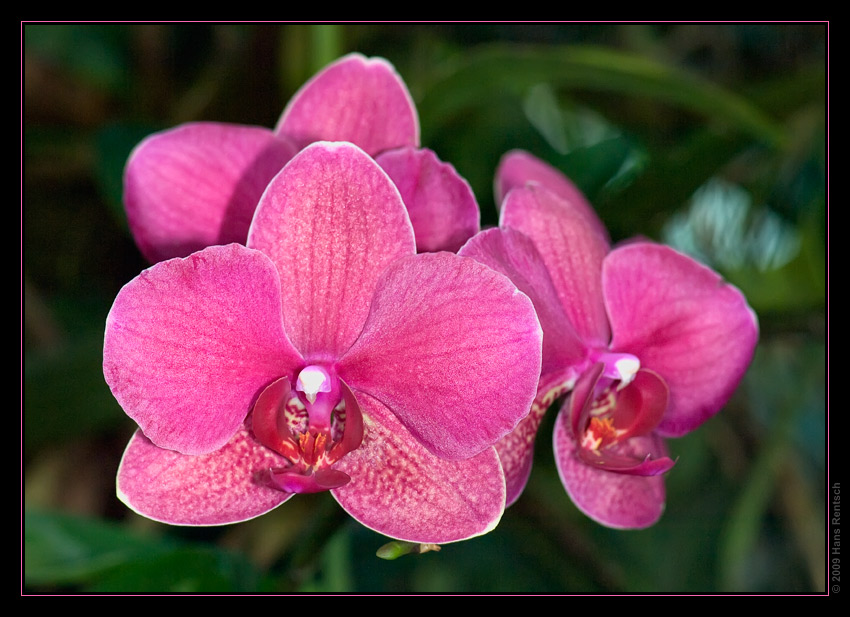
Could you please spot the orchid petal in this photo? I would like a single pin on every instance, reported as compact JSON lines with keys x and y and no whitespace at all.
{"x":572,"y":249}
{"x":225,"y":486}
{"x":401,"y":490}
{"x":197,"y":185}
{"x":191,"y":342}
{"x":452,"y":348}
{"x":513,"y":254}
{"x":439,"y":201}
{"x":684,"y":323}
{"x":618,"y":500}
{"x":357,"y":99}
{"x":331,"y":221}
{"x":517,"y":168}
{"x":516,"y":449}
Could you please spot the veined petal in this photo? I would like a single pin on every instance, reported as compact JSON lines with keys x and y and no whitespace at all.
{"x":401,"y":490}
{"x":684,"y":323}
{"x":518,"y":167}
{"x":197,"y":185}
{"x":225,"y":486}
{"x":191,"y":342}
{"x":357,"y":99}
{"x":572,"y":248}
{"x":513,"y":254}
{"x":618,"y":500}
{"x":331,"y":221}
{"x":452,"y":348}
{"x":439,"y":201}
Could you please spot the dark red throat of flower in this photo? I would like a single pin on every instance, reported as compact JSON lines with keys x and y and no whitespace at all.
{"x":605,"y":416}
{"x":312,"y":433}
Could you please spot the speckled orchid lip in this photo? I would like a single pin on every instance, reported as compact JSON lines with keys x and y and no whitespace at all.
{"x":311,"y":430}
{"x":323,"y":356}
{"x":647,"y":342}
{"x":606,"y":411}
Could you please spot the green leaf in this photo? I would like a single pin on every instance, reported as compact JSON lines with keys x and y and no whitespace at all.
{"x":60,"y":549}
{"x":190,"y":569}
{"x":94,"y":54}
{"x":65,"y":549}
{"x":65,"y":396}
{"x":495,"y":70}
{"x":785,"y":384}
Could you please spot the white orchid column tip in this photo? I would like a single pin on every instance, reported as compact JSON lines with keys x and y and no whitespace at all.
{"x":627,"y":367}
{"x":620,"y":367}
{"x":312,"y":380}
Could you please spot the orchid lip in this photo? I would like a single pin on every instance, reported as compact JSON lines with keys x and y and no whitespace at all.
{"x":312,"y":436}
{"x":294,"y":482}
{"x":607,"y":414}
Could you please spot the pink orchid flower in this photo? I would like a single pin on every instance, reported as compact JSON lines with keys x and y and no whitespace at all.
{"x":323,"y":355}
{"x":198,"y":184}
{"x":648,"y":342}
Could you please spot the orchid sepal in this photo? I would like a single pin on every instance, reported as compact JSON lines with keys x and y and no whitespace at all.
{"x":197,"y":185}
{"x":356,"y":99}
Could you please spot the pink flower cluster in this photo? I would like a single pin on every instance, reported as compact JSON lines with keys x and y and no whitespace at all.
{"x":323,"y":313}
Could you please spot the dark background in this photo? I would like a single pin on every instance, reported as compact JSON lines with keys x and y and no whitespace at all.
{"x":711,"y":137}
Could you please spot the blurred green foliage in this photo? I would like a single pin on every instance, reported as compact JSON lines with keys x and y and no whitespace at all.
{"x":710,"y":137}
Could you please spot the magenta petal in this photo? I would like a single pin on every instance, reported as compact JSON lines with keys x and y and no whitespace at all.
{"x":518,"y":167}
{"x":514,"y":255}
{"x":617,"y":500}
{"x":439,"y":201}
{"x":357,"y":99}
{"x":567,"y":239}
{"x":191,"y":342}
{"x":331,"y":221}
{"x":225,"y":486}
{"x":516,"y":449}
{"x":684,"y":323}
{"x":197,"y":185}
{"x":452,"y":348}
{"x":401,"y":490}
{"x":516,"y":454}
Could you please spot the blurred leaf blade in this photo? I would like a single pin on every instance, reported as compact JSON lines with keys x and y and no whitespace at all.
{"x":62,"y":549}
{"x":66,"y":549}
{"x":500,"y":68}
